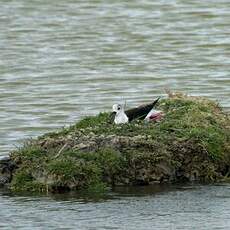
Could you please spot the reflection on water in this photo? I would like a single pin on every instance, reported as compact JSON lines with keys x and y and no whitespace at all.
{"x":61,"y":60}
{"x":157,"y":207}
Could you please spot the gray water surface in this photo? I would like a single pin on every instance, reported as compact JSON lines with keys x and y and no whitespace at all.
{"x":174,"y":207}
{"x":62,"y":60}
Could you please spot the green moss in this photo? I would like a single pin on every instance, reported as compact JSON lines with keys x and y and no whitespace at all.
{"x":98,"y":188}
{"x":73,"y":173}
{"x":197,"y":119}
{"x":90,"y":122}
{"x":29,"y":152}
{"x":193,"y":127}
{"x":105,"y":157}
{"x":24,"y":181}
{"x":110,"y":161}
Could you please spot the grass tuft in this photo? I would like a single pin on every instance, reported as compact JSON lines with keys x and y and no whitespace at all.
{"x":192,"y":139}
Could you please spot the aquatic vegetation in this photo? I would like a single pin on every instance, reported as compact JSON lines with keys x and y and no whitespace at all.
{"x":192,"y":142}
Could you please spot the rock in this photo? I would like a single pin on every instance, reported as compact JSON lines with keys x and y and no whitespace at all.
{"x":6,"y":170}
{"x":4,"y":158}
{"x":4,"y":180}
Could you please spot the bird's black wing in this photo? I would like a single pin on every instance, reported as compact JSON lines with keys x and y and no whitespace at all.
{"x":141,"y":111}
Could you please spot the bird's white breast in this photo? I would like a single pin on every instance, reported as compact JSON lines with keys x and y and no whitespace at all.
{"x":121,"y":118}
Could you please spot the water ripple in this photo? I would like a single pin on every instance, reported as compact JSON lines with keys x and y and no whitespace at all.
{"x":60,"y":61}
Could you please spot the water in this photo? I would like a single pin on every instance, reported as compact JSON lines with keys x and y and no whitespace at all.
{"x":61,"y":60}
{"x":174,"y":207}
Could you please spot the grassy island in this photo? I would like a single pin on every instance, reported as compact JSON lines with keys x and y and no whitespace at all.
{"x":191,"y":143}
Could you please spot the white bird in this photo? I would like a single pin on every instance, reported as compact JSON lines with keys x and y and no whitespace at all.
{"x":120,"y":116}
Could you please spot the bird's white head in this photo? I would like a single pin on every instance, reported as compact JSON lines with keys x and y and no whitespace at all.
{"x":117,"y":108}
{"x":120,"y":116}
